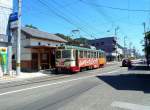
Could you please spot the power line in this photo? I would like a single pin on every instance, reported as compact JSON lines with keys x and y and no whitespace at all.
{"x":86,"y":24}
{"x":70,"y":3}
{"x":101,"y":12}
{"x":70,"y":14}
{"x":116,"y":8}
{"x":61,"y":16}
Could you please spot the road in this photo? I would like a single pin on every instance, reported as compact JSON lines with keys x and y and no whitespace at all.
{"x":109,"y":88}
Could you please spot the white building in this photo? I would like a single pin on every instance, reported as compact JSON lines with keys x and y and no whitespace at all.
{"x":6,"y":8}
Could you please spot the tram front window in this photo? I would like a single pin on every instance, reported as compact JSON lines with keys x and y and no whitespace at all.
{"x":58,"y":54}
{"x":66,"y":54}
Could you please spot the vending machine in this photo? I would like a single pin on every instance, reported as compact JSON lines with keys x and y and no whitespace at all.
{"x":3,"y":60}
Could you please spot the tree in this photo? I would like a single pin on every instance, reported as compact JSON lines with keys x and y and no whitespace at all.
{"x":75,"y":42}
{"x":147,"y":47}
{"x":68,"y":38}
{"x":30,"y":26}
{"x":82,"y":40}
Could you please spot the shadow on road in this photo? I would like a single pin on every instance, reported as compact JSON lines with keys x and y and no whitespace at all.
{"x":139,"y":68}
{"x":133,"y":82}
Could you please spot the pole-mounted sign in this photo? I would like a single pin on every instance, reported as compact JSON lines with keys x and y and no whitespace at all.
{"x":13,"y":20}
{"x":13,"y":17}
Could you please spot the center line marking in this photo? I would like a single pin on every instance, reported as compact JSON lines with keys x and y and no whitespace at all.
{"x":129,"y":106}
{"x":35,"y":87}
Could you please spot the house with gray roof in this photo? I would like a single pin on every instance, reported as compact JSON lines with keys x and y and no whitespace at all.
{"x":37,"y":49}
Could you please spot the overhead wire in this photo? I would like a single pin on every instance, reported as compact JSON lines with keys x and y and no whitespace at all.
{"x":117,"y":8}
{"x":81,"y":21}
{"x":62,"y":17}
{"x":70,"y":3}
{"x":100,"y":12}
{"x":94,"y":5}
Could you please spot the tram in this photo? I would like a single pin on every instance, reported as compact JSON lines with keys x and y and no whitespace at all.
{"x":74,"y":58}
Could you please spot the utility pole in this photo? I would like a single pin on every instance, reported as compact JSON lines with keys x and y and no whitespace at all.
{"x":18,"y":38}
{"x":116,"y":29}
{"x":125,"y":37}
{"x":146,"y":43}
{"x":130,"y":45}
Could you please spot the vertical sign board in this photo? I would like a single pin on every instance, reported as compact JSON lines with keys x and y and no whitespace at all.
{"x":3,"y":60}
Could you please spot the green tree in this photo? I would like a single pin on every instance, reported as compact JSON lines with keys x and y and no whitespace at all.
{"x":71,"y":41}
{"x":68,"y":38}
{"x":30,"y":26}
{"x":82,"y":40}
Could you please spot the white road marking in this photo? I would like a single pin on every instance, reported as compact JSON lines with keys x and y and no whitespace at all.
{"x":66,"y":81}
{"x":129,"y":106}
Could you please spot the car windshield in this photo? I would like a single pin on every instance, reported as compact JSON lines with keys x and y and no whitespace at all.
{"x":66,"y":54}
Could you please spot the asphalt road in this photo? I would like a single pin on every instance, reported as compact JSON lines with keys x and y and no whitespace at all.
{"x":109,"y":88}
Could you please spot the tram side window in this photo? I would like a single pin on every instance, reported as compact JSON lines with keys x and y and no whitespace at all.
{"x":92,"y":55}
{"x":95,"y":55}
{"x":85,"y":54}
{"x":100,"y":55}
{"x":88,"y":54}
{"x":81,"y":54}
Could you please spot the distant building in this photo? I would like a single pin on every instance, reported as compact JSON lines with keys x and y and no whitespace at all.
{"x":37,"y":49}
{"x":110,"y":46}
{"x":6,"y":8}
{"x":130,"y":53}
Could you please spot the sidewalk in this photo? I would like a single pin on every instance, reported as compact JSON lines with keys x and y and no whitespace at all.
{"x":21,"y":77}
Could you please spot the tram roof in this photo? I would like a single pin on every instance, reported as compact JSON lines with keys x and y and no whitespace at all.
{"x":77,"y":47}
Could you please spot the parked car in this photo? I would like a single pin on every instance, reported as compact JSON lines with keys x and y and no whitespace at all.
{"x":126,"y":62}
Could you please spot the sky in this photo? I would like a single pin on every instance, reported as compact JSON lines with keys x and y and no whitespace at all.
{"x":93,"y":18}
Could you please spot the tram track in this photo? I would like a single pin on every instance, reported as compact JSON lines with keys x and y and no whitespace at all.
{"x":55,"y":77}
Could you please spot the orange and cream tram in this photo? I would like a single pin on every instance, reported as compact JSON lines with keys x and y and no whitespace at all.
{"x":73,"y":58}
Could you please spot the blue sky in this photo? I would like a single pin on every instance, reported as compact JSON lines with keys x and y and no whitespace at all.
{"x":90,"y":17}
